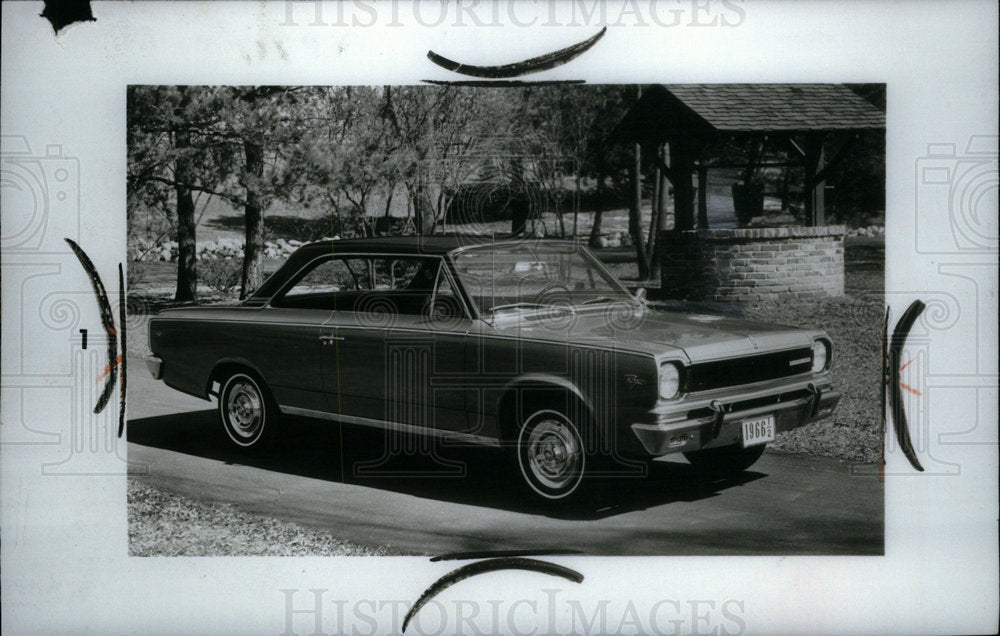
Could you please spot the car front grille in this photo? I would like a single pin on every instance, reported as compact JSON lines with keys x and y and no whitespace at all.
{"x":768,"y":366}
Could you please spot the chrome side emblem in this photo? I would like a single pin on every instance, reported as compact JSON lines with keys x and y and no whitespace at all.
{"x":795,"y":363}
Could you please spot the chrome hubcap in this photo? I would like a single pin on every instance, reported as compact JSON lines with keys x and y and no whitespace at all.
{"x":553,"y":454}
{"x":245,"y":408}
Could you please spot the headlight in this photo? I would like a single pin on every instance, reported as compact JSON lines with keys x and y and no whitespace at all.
{"x":670,"y":380}
{"x":821,"y":355}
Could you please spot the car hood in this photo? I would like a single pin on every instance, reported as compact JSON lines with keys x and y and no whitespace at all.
{"x":698,"y":337}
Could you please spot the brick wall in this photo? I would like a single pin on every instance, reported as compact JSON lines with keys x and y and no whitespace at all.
{"x":746,"y":265}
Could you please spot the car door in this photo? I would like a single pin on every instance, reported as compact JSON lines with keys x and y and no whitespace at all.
{"x":283,"y":340}
{"x":426,"y":375}
{"x":353,"y":342}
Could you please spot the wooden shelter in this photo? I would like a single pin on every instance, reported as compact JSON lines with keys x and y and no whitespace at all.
{"x":685,"y":119}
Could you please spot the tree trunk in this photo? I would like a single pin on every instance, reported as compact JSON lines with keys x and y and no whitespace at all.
{"x":576,"y":202}
{"x":187,"y":263}
{"x":423,"y":210}
{"x":253,"y":248}
{"x":595,"y":230}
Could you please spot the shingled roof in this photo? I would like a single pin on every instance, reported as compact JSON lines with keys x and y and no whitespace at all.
{"x":671,"y":110}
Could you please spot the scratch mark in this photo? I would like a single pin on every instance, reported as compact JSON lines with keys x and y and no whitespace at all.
{"x":885,"y":386}
{"x":483,"y":567}
{"x":910,"y":389}
{"x":894,"y":387}
{"x":107,"y":321}
{"x":122,"y":315}
{"x":525,"y":67}
{"x":107,"y":368}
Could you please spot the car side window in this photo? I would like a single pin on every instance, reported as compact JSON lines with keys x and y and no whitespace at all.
{"x":400,"y":285}
{"x":445,"y":302}
{"x":323,"y":281}
{"x":403,"y":285}
{"x":326,"y":277}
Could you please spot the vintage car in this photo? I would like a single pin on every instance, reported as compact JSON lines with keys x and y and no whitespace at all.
{"x":529,"y":345}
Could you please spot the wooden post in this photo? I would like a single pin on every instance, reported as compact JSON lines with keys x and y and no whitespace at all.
{"x":667,"y":190}
{"x":635,"y":215}
{"x":702,"y":196}
{"x":815,"y":161}
{"x":657,"y":213}
{"x":683,"y":165}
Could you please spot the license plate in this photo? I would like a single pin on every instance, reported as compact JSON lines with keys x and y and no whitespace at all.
{"x":757,"y":431}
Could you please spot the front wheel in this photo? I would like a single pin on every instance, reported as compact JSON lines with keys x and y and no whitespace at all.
{"x":248,"y":414}
{"x":550,"y":454}
{"x":727,"y":459}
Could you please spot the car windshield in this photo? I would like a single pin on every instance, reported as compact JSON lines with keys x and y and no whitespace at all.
{"x":536,"y":276}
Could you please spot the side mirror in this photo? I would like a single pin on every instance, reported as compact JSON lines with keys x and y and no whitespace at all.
{"x":640,"y":295}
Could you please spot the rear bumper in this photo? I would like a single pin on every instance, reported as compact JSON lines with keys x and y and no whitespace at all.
{"x":715,"y":421}
{"x":155,"y":366}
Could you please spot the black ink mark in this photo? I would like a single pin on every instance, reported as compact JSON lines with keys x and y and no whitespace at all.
{"x":62,"y":13}
{"x":533,"y":65}
{"x":895,"y":388}
{"x":501,"y":83}
{"x":483,"y":567}
{"x":458,"y":556}
{"x":107,"y":320}
{"x":83,"y":334}
{"x":121,"y":330}
{"x":886,"y":377}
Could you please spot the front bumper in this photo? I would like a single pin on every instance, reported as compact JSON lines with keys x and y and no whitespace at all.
{"x":715,"y":418}
{"x":155,"y":366}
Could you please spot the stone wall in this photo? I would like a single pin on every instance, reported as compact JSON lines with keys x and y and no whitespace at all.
{"x":753,"y":264}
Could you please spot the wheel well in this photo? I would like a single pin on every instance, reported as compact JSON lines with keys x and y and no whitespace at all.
{"x":225,"y":369}
{"x":520,"y":401}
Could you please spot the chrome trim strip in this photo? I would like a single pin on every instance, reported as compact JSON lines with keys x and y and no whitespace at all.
{"x":737,"y":393}
{"x":392,"y":426}
{"x":618,"y":348}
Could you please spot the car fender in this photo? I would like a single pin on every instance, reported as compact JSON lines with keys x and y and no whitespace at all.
{"x":237,"y":362}
{"x":539,"y":381}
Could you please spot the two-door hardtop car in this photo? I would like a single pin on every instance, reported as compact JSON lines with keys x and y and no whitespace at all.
{"x":532,"y":346}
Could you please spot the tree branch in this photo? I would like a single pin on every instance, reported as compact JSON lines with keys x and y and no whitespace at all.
{"x":235,"y":200}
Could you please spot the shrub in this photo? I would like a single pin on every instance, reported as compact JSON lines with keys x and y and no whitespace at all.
{"x":221,"y":274}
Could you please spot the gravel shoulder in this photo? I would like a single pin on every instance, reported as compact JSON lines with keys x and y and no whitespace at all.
{"x":165,"y":524}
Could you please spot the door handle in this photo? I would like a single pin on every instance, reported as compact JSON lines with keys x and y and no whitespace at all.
{"x":325,"y":339}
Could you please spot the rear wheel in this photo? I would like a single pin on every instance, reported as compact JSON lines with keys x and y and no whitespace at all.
{"x":727,"y":459}
{"x":551,"y":455}
{"x":247,"y":411}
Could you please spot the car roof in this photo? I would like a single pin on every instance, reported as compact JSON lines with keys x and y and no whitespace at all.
{"x":435,"y":244}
